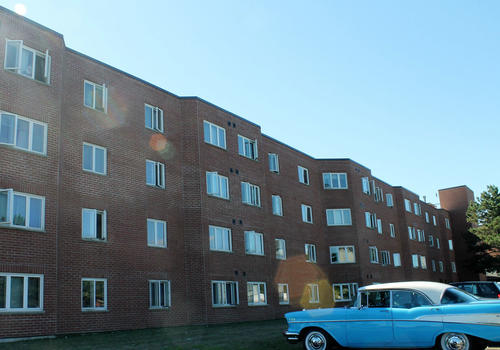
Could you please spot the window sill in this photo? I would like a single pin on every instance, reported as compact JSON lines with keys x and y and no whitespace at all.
{"x":11,"y":227}
{"x":94,"y":172}
{"x":157,"y":246}
{"x":165,"y":308}
{"x":257,"y":305}
{"x":154,"y":130}
{"x":95,"y":310}
{"x":15,"y":148}
{"x":21,"y":312}
{"x":285,"y":304}
{"x":94,"y":240}
{"x":154,"y":186}
{"x":254,"y":159}
{"x":251,"y":205}
{"x":223,"y":306}
{"x":221,"y":251}
{"x":335,"y":189}
{"x":217,"y":197}
{"x":26,"y":77}
{"x":254,"y":254}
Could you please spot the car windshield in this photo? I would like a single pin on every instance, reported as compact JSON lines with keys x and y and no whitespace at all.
{"x":457,"y":296}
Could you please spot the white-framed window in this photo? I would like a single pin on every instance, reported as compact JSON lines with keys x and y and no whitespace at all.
{"x":307,"y":215}
{"x":412,"y":233}
{"x":392,"y":230}
{"x":94,"y":224}
{"x":338,"y":217}
{"x":94,"y":158}
{"x":396,"y":257}
{"x":310,"y":250}
{"x":247,"y":147}
{"x":274,"y":164}
{"x":378,"y":195}
{"x":447,"y":223}
{"x":157,"y":233}
{"x":224,"y":293}
{"x":220,"y":238}
{"x":95,"y":96}
{"x":217,"y":185}
{"x":431,"y":241}
{"x":254,"y":243}
{"x":423,"y":262}
{"x":313,"y":293}
{"x":414,"y":259}
{"x":280,"y":249}
{"x":433,"y":263}
{"x":438,"y":245}
{"x":334,"y":181}
{"x":155,"y":174}
{"x":407,"y":205}
{"x":214,"y":134}
{"x":153,"y":117}
{"x":342,"y":254}
{"x":421,"y":235}
{"x":365,"y":183}
{"x":389,"y":200}
{"x":303,"y":175}
{"x":373,"y":255}
{"x":22,"y":210}
{"x":379,"y":226}
{"x":26,"y":61}
{"x":453,"y":267}
{"x":159,"y":294}
{"x":94,"y":293}
{"x":283,"y":295}
{"x":441,"y":266}
{"x":250,"y":194}
{"x":21,"y":292}
{"x":23,"y":133}
{"x":434,"y":221}
{"x":385,"y":257}
{"x":417,"y":209}
{"x":344,"y":291}
{"x":450,"y":244}
{"x":256,"y":292}
{"x":427,"y":220}
{"x":370,"y":220}
{"x":277,"y":205}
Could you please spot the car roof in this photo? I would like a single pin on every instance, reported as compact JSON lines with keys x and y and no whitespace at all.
{"x":433,"y":290}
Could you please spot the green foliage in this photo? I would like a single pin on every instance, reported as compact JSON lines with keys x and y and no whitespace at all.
{"x":484,"y":216}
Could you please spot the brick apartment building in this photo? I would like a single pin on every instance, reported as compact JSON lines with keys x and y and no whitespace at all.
{"x":125,"y":206}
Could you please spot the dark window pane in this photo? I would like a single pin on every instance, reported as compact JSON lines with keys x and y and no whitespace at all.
{"x":87,"y":293}
{"x":99,"y":98}
{"x":379,"y":299}
{"x":99,"y":294}
{"x":40,"y":68}
{"x":34,"y":292}
{"x":16,"y":292}
{"x":154,"y":293}
{"x":3,"y":291}
{"x":99,"y":230}
{"x":19,"y":210}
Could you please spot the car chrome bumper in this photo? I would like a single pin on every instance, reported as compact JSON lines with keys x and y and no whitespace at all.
{"x":291,"y":337}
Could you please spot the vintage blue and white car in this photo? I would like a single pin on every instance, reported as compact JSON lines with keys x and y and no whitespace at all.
{"x":401,"y":315}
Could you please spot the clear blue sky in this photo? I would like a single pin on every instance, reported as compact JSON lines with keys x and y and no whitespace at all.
{"x":410,"y":89}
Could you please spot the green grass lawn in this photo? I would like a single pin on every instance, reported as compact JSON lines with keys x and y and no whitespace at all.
{"x":247,"y":335}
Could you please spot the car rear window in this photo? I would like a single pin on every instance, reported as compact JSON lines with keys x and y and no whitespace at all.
{"x":456,"y":296}
{"x":487,"y":290}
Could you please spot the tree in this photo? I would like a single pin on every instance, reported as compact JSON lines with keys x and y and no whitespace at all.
{"x":484,"y":217}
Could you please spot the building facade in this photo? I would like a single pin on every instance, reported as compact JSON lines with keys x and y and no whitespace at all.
{"x":125,"y":206}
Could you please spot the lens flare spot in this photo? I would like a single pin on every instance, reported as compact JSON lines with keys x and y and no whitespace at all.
{"x":20,"y":9}
{"x":158,"y":142}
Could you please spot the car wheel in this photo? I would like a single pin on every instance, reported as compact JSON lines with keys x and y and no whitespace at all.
{"x":316,"y":340}
{"x":455,"y":341}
